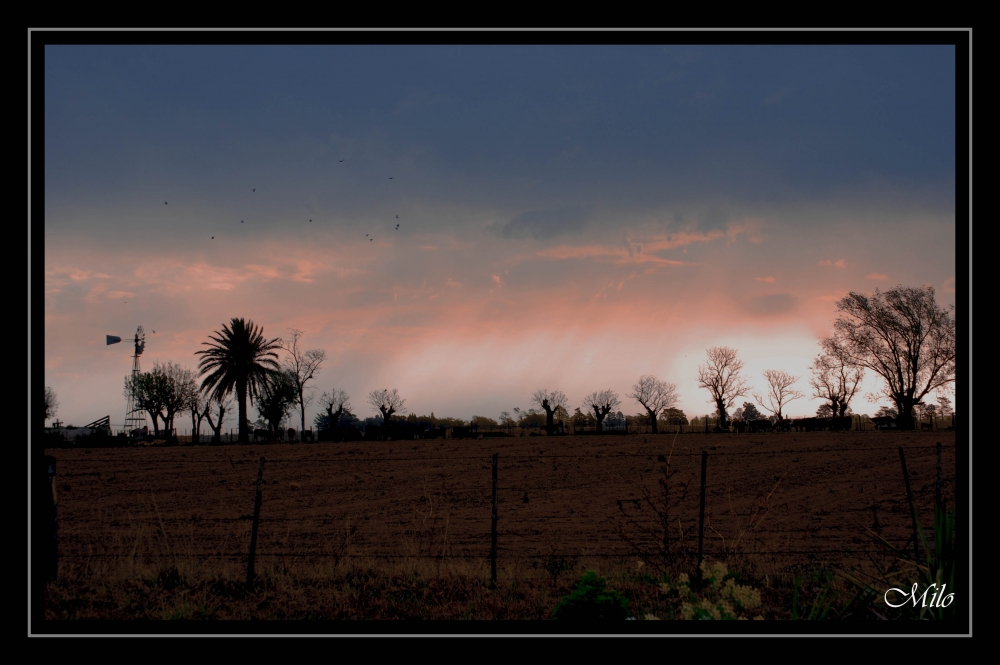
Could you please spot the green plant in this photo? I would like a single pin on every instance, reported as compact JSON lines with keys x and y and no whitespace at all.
{"x":921,"y":582}
{"x":720,"y":598}
{"x":592,"y":600}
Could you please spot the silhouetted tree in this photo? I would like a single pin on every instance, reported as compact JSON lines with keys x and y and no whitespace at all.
{"x":160,"y":393}
{"x":50,"y":403}
{"x":674,"y":416}
{"x":195,"y":402}
{"x":825,"y":411}
{"x":886,"y":412}
{"x":750,"y":412}
{"x":302,"y":367}
{"x":944,"y":405}
{"x":654,"y":396}
{"x":721,"y":377}
{"x":177,"y":386}
{"x":483,"y":421}
{"x":386,"y":402}
{"x":903,"y":336}
{"x":335,"y":403}
{"x":275,"y":400}
{"x":779,"y":391}
{"x":549,"y":402}
{"x":602,"y":403}
{"x":833,"y":378}
{"x":238,"y":358}
{"x":223,"y":403}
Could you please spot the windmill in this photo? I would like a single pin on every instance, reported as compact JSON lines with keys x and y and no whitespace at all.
{"x":135,"y":417}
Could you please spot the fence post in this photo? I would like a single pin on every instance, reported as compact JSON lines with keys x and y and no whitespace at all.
{"x":666,"y":510}
{"x":937,"y":484}
{"x":701,"y":513}
{"x":913,"y":509}
{"x":493,"y":546}
{"x":256,"y":520}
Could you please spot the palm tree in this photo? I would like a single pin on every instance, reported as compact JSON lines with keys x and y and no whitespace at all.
{"x":238,"y":358}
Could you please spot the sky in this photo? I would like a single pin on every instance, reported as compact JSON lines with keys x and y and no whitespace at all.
{"x":569,"y":217}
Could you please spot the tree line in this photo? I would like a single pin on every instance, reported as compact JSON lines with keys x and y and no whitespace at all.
{"x":901,"y":335}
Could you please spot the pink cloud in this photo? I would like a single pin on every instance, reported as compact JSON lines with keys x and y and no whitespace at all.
{"x":877,"y":275}
{"x":452,"y":282}
{"x":839,"y":263}
{"x":496,"y":278}
{"x":949,"y":285}
{"x":768,"y":279}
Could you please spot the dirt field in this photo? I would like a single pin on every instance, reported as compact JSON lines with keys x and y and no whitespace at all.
{"x":774,"y":502}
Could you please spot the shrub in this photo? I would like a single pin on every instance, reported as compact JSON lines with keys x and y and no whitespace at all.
{"x":721,"y":597}
{"x":591,"y":600}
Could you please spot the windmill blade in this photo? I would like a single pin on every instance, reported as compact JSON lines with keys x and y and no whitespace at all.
{"x":112,"y":339}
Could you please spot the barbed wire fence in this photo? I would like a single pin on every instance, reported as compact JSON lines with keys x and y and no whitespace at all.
{"x":480,"y":512}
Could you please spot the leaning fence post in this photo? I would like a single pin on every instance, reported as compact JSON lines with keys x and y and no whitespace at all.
{"x":256,"y":520}
{"x":701,"y":513}
{"x":493,"y":546}
{"x":913,"y":509}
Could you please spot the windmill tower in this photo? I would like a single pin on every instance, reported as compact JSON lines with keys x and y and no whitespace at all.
{"x":135,"y":417}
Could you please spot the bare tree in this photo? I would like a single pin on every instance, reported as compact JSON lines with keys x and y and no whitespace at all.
{"x":834,"y":379}
{"x":779,"y":391}
{"x":197,"y":404}
{"x":550,"y":402}
{"x":302,"y":367}
{"x":334,"y":403}
{"x":386,"y":402}
{"x":602,"y":402}
{"x":654,"y":396}
{"x":903,"y":336}
{"x":721,"y":377}
{"x":223,"y":403}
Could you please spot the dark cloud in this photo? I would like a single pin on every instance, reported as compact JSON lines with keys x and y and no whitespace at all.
{"x":778,"y":303}
{"x":547,"y":222}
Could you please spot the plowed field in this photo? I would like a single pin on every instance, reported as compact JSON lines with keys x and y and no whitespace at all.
{"x":781,"y":501}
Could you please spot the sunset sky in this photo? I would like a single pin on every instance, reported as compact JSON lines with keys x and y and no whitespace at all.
{"x":570,"y":217}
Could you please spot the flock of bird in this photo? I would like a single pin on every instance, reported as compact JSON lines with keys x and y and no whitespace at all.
{"x":254,"y":190}
{"x":367,"y":235}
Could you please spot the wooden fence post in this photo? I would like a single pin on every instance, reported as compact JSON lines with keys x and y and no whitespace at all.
{"x":253,"y":532}
{"x":701,"y":513}
{"x":493,"y":545}
{"x":913,"y":508}
{"x":937,"y":484}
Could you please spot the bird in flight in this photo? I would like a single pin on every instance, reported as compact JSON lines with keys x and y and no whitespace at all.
{"x":390,"y":177}
{"x":254,"y":189}
{"x":241,"y":221}
{"x":397,"y":227}
{"x":366,"y":235}
{"x":213,"y":237}
{"x":341,"y":160}
{"x":397,"y":216}
{"x":154,"y":332}
{"x":370,"y":239}
{"x":164,"y":203}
